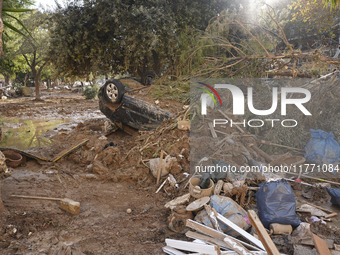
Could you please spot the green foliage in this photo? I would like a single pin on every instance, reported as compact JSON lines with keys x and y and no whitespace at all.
{"x":112,"y":37}
{"x":11,"y":16}
{"x":34,"y":50}
{"x":175,"y":90}
{"x":14,"y":12}
{"x":317,"y":14}
{"x":91,"y":91}
{"x":331,"y":3}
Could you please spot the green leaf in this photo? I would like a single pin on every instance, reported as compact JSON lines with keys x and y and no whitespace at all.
{"x":21,"y":24}
{"x":13,"y":28}
{"x":16,"y":10}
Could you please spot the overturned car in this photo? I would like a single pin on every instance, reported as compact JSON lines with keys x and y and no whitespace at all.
{"x":118,"y":106}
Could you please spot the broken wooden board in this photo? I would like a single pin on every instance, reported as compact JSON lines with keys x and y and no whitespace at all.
{"x":262,"y":233}
{"x":207,"y":239}
{"x":172,"y":251}
{"x":196,"y":247}
{"x":26,"y":153}
{"x":212,"y":216}
{"x":242,"y":232}
{"x":321,"y":245}
{"x":69,"y":150}
{"x":216,"y":234}
{"x":227,"y":243}
{"x":331,"y":215}
{"x":55,"y":159}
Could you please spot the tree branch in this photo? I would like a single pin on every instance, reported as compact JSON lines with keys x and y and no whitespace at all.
{"x":28,"y":63}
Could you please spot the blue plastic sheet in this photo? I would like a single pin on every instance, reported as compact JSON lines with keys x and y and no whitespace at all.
{"x":335,"y":196}
{"x":322,"y":148}
{"x":229,"y":209}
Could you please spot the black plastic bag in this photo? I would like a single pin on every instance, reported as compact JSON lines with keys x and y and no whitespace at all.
{"x":335,"y":195}
{"x":276,"y":204}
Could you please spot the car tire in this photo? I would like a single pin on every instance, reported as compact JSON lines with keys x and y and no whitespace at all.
{"x":114,"y":91}
{"x":148,"y":78}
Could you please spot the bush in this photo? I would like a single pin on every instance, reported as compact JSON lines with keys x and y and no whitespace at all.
{"x":91,"y":91}
{"x":18,"y":89}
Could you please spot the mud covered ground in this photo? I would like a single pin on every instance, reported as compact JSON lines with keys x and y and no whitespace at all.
{"x":107,"y":175}
{"x":106,"y":181}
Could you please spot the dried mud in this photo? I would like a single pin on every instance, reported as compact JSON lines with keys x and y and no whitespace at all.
{"x":106,"y":180}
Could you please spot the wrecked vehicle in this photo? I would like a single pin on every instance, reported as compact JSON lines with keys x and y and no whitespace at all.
{"x":116,"y":105}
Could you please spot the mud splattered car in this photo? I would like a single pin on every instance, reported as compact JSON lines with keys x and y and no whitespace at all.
{"x":118,"y":106}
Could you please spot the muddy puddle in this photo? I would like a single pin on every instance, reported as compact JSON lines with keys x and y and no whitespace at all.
{"x":25,"y":133}
{"x":38,"y":132}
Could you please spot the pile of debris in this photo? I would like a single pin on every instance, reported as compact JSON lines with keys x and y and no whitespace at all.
{"x":251,"y":213}
{"x":219,"y":225}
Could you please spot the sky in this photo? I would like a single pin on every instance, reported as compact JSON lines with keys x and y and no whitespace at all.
{"x":45,"y":3}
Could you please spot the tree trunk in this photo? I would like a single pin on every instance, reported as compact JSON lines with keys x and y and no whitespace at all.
{"x":36,"y":85}
{"x":1,"y":30}
{"x":26,"y":78}
{"x":6,"y":81}
{"x":156,"y":62}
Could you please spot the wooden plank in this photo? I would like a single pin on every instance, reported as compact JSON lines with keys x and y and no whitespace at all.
{"x":331,"y":215}
{"x":321,"y":245}
{"x":195,"y":247}
{"x":161,"y":186}
{"x":207,"y":239}
{"x":212,"y":217}
{"x":242,"y":232}
{"x":172,"y":251}
{"x":262,"y":233}
{"x":216,"y":234}
{"x":69,"y":150}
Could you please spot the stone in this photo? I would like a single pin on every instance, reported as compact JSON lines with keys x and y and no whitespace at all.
{"x":70,"y":206}
{"x":183,"y":125}
{"x":169,"y":164}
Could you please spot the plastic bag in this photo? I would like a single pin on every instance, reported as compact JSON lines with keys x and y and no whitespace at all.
{"x":335,"y":195}
{"x":229,"y":209}
{"x":322,"y":148}
{"x":276,"y":204}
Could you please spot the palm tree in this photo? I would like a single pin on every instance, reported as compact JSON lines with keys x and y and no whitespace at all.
{"x":6,"y":12}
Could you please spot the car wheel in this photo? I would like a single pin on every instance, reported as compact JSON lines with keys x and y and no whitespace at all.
{"x":114,"y":91}
{"x":148,"y":78}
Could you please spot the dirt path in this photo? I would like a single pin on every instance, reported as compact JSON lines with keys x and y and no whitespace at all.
{"x":103,"y":225}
